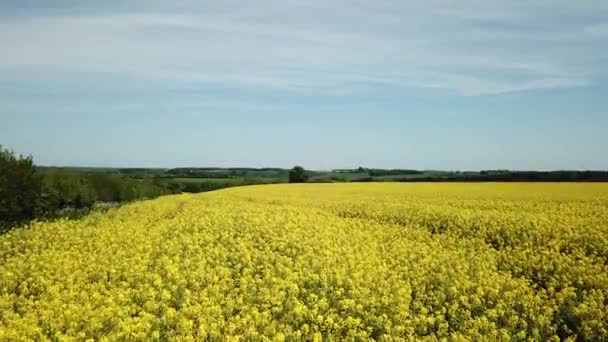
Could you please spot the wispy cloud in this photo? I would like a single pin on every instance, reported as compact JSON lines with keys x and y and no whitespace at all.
{"x":468,"y":47}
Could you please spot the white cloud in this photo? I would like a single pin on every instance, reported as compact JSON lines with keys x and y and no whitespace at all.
{"x":471,"y":47}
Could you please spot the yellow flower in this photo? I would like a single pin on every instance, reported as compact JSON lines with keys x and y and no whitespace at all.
{"x":326,"y":262}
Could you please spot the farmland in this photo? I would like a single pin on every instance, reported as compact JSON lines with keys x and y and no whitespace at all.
{"x":392,"y":261}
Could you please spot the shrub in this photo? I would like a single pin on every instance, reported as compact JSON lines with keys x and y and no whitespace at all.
{"x":20,"y":188}
{"x":298,"y":175}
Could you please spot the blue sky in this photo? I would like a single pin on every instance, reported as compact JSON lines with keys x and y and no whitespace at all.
{"x":470,"y":84}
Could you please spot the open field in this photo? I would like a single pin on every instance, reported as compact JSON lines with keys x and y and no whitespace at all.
{"x":318,"y":261}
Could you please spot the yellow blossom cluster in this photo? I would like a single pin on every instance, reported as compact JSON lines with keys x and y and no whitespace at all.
{"x":318,"y":262}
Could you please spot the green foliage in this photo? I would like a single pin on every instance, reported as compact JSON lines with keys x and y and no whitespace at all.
{"x":197,"y":185}
{"x":27,"y":193}
{"x":297,"y":175}
{"x":62,"y":189}
{"x":74,"y":189}
{"x":393,"y":172}
{"x":20,"y":188}
{"x":277,"y":175}
{"x":224,"y":173}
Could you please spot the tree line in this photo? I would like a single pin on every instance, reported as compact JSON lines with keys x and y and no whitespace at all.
{"x":27,"y":192}
{"x":518,"y":176}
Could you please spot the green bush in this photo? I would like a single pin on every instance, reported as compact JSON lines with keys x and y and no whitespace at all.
{"x":69,"y":188}
{"x":297,"y":175}
{"x":20,"y":188}
{"x":66,"y":188}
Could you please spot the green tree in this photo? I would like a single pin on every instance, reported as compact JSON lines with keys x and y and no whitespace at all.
{"x":66,"y":188}
{"x":361,"y":169}
{"x":20,"y":188}
{"x":298,"y":175}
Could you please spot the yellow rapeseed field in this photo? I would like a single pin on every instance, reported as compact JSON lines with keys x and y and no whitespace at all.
{"x":319,"y":262}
